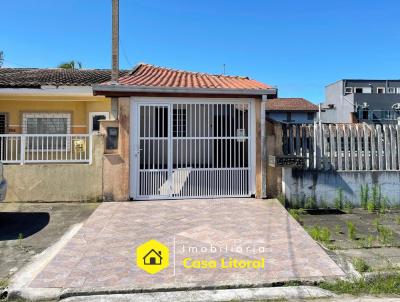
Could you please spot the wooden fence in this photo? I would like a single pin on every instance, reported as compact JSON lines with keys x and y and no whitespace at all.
{"x":344,"y":147}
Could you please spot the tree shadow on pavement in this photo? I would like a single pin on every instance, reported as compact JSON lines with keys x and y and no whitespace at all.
{"x":12,"y":224}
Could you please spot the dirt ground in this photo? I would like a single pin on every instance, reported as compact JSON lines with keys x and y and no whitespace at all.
{"x":368,"y":245}
{"x":27,"y":229}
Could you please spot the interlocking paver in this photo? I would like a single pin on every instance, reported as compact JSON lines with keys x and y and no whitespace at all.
{"x":102,"y":254}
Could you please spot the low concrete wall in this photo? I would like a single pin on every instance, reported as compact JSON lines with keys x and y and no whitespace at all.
{"x":57,"y":182}
{"x":323,"y":185}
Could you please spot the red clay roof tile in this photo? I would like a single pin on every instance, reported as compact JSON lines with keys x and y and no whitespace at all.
{"x":154,"y":76}
{"x":290,"y":104}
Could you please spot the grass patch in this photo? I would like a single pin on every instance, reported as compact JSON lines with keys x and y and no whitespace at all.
{"x":360,"y":265}
{"x":389,"y":285}
{"x":296,"y":214}
{"x":351,"y":230}
{"x":321,"y":234}
{"x":3,"y":283}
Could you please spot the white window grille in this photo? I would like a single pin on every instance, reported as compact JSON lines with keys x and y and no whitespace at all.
{"x":47,"y":123}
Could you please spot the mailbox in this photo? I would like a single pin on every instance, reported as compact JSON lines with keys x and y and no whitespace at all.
{"x":79,"y":145}
{"x":112,"y":138}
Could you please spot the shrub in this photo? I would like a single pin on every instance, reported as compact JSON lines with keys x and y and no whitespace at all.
{"x":339,"y":199}
{"x":360,"y":265}
{"x":364,"y":196}
{"x":351,"y":230}
{"x":320,"y":234}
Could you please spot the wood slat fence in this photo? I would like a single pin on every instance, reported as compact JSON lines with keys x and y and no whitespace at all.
{"x":344,"y":147}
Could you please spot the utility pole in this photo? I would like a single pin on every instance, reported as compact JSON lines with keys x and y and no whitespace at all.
{"x":115,"y":42}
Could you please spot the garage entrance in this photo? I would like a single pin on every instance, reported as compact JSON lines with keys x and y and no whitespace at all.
{"x":190,"y":149}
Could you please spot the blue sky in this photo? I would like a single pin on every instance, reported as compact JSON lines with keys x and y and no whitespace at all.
{"x":299,"y":46}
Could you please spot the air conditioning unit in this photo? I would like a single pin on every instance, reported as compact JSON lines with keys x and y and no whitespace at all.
{"x":396,"y":106}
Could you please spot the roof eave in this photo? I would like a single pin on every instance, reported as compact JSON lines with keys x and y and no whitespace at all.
{"x":110,"y":89}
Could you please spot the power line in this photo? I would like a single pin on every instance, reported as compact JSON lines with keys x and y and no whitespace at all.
{"x":125,"y":56}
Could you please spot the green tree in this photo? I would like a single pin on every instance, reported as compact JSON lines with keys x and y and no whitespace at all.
{"x":71,"y":65}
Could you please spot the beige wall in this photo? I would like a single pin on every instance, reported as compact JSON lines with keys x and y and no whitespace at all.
{"x":274,"y":147}
{"x":78,"y":107}
{"x":116,"y":164}
{"x":57,"y":182}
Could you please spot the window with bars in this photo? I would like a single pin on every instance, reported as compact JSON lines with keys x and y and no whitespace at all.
{"x":47,"y":123}
{"x":179,"y":122}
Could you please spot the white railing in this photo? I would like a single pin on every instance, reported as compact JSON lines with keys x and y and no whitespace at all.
{"x":45,"y":148}
{"x":345,"y":147}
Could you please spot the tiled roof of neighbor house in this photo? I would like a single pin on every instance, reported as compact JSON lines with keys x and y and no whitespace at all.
{"x":154,"y":76}
{"x":290,"y":104}
{"x":36,"y":77}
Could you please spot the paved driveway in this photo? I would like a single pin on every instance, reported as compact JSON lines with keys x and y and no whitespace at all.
{"x":102,"y":255}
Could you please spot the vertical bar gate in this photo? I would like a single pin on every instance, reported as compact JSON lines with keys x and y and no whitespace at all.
{"x":192,"y":150}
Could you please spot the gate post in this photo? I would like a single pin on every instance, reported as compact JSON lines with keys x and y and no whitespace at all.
{"x":22,"y":151}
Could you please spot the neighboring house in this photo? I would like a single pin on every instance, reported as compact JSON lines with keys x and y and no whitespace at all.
{"x":51,"y":101}
{"x":185,"y":135}
{"x":371,"y":101}
{"x":291,"y":110}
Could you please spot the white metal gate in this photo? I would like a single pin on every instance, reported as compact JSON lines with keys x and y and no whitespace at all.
{"x":186,"y":150}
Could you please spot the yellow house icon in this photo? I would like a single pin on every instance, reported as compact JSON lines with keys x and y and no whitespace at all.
{"x":152,"y":256}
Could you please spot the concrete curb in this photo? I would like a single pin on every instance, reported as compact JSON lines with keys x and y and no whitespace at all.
{"x":263,"y":293}
{"x":19,"y":283}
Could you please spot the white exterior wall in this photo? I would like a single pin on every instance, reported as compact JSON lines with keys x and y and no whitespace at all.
{"x":324,"y":185}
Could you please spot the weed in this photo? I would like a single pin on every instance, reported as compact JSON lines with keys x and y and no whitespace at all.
{"x":20,"y":238}
{"x":323,"y":204}
{"x":376,"y":223}
{"x":384,"y":205}
{"x":320,"y":234}
{"x":360,"y":265}
{"x":3,"y":283}
{"x":381,"y":284}
{"x":398,"y":219}
{"x":348,"y":206}
{"x":296,"y":214}
{"x":351,"y":230}
{"x":339,"y":199}
{"x":364,"y":196}
{"x":370,"y":206}
{"x":375,"y":198}
{"x":338,"y":229}
{"x":385,"y":235}
{"x":367,"y":241}
{"x":282,"y":199}
{"x":310,"y":203}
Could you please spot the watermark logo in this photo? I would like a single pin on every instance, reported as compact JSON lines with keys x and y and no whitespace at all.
{"x":152,"y":256}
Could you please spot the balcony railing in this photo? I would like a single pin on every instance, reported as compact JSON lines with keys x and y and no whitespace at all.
{"x":45,"y":148}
